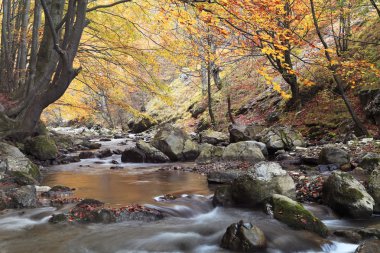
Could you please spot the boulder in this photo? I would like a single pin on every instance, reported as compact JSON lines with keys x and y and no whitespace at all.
{"x":176,"y":144}
{"x":245,"y":132}
{"x":86,"y":155}
{"x":334,"y":155}
{"x":104,"y":153}
{"x":296,"y":216}
{"x":140,"y":124}
{"x":91,"y":145}
{"x":133,"y":155}
{"x":244,"y":237}
{"x":243,"y":151}
{"x":369,"y":246}
{"x":213,"y":137}
{"x":347,"y":196}
{"x":23,"y":197}
{"x":11,"y":160}
{"x":223,"y":177}
{"x":279,"y":137}
{"x":41,"y":147}
{"x":209,"y":154}
{"x":374,"y":189}
{"x":152,"y":155}
{"x":197,"y":109}
{"x":373,"y":107}
{"x":222,"y":196}
{"x":370,"y":161}
{"x":260,"y":183}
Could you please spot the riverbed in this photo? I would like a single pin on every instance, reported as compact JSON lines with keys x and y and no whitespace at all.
{"x":191,"y":223}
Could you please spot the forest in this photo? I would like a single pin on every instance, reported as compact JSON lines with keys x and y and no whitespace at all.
{"x":190,"y":126}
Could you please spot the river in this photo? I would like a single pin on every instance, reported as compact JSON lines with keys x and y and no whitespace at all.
{"x":191,"y":223}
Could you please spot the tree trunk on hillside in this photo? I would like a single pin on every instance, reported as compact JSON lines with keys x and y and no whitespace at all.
{"x":229,"y":111}
{"x":209,"y":93}
{"x":373,"y":2}
{"x":204,"y":77}
{"x":336,"y":77}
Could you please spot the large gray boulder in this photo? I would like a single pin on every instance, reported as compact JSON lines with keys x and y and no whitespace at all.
{"x":244,"y":237}
{"x":176,"y":144}
{"x":374,"y":189}
{"x":209,"y":154}
{"x":222,"y":196}
{"x":12,"y":160}
{"x":245,"y":132}
{"x":369,"y":246}
{"x":152,"y":154}
{"x":370,"y":161}
{"x":347,"y":196}
{"x":223,"y":177}
{"x":280,"y":137}
{"x":260,"y":183}
{"x":296,"y":216}
{"x":213,"y":137}
{"x":23,"y":197}
{"x":140,"y":124}
{"x":334,"y":155}
{"x":250,"y":151}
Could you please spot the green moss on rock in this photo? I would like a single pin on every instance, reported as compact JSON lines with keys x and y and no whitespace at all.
{"x":296,"y":216}
{"x":41,"y":147}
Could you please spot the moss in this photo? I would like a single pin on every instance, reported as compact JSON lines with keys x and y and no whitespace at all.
{"x":23,"y":178}
{"x":296,"y":216}
{"x":41,"y":147}
{"x":34,"y":171}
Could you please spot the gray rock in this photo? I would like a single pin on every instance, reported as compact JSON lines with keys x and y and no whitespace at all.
{"x":133,"y":155}
{"x":347,"y":196}
{"x":244,"y":237}
{"x":152,"y":155}
{"x":86,"y":155}
{"x":243,"y":151}
{"x":23,"y":197}
{"x":334,"y":155}
{"x":260,"y":183}
{"x":223,"y":177}
{"x":374,"y":189}
{"x":104,"y":153}
{"x":279,"y":137}
{"x":245,"y":132}
{"x":209,"y":154}
{"x":11,"y":160}
{"x":213,"y":137}
{"x":370,"y":161}
{"x":176,"y":144}
{"x":140,"y":124}
{"x":41,"y":147}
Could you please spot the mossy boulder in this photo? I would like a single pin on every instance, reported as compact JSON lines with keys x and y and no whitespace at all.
{"x":244,"y":237}
{"x":347,"y":196}
{"x":213,"y":137}
{"x":296,"y":216}
{"x":209,"y":154}
{"x":370,"y":161}
{"x":140,"y":124}
{"x":223,"y":196}
{"x":281,"y":137}
{"x":41,"y":147}
{"x":260,"y":183}
{"x":245,"y":132}
{"x":13,"y":160}
{"x":374,"y":189}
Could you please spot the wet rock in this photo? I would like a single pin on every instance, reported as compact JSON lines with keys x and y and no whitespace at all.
{"x":213,"y":137}
{"x":223,"y":196}
{"x":260,"y":183}
{"x":334,"y":155}
{"x":58,"y":218}
{"x":244,"y":237}
{"x":69,"y":159}
{"x":116,"y":168}
{"x":86,"y":155}
{"x":243,"y":151}
{"x":12,"y":159}
{"x":347,"y":196}
{"x":176,"y":144}
{"x":104,"y":153}
{"x":327,"y":168}
{"x":374,"y":189}
{"x":370,"y":161}
{"x":58,"y":191}
{"x":360,"y":234}
{"x":296,"y":216}
{"x":41,"y":147}
{"x":223,"y":177}
{"x":22,"y":178}
{"x":104,"y":139}
{"x":209,"y":154}
{"x":23,"y":197}
{"x":91,"y":145}
{"x":279,"y":137}
{"x":369,"y":246}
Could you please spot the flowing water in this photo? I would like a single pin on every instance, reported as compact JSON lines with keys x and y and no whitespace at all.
{"x":191,"y":223}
